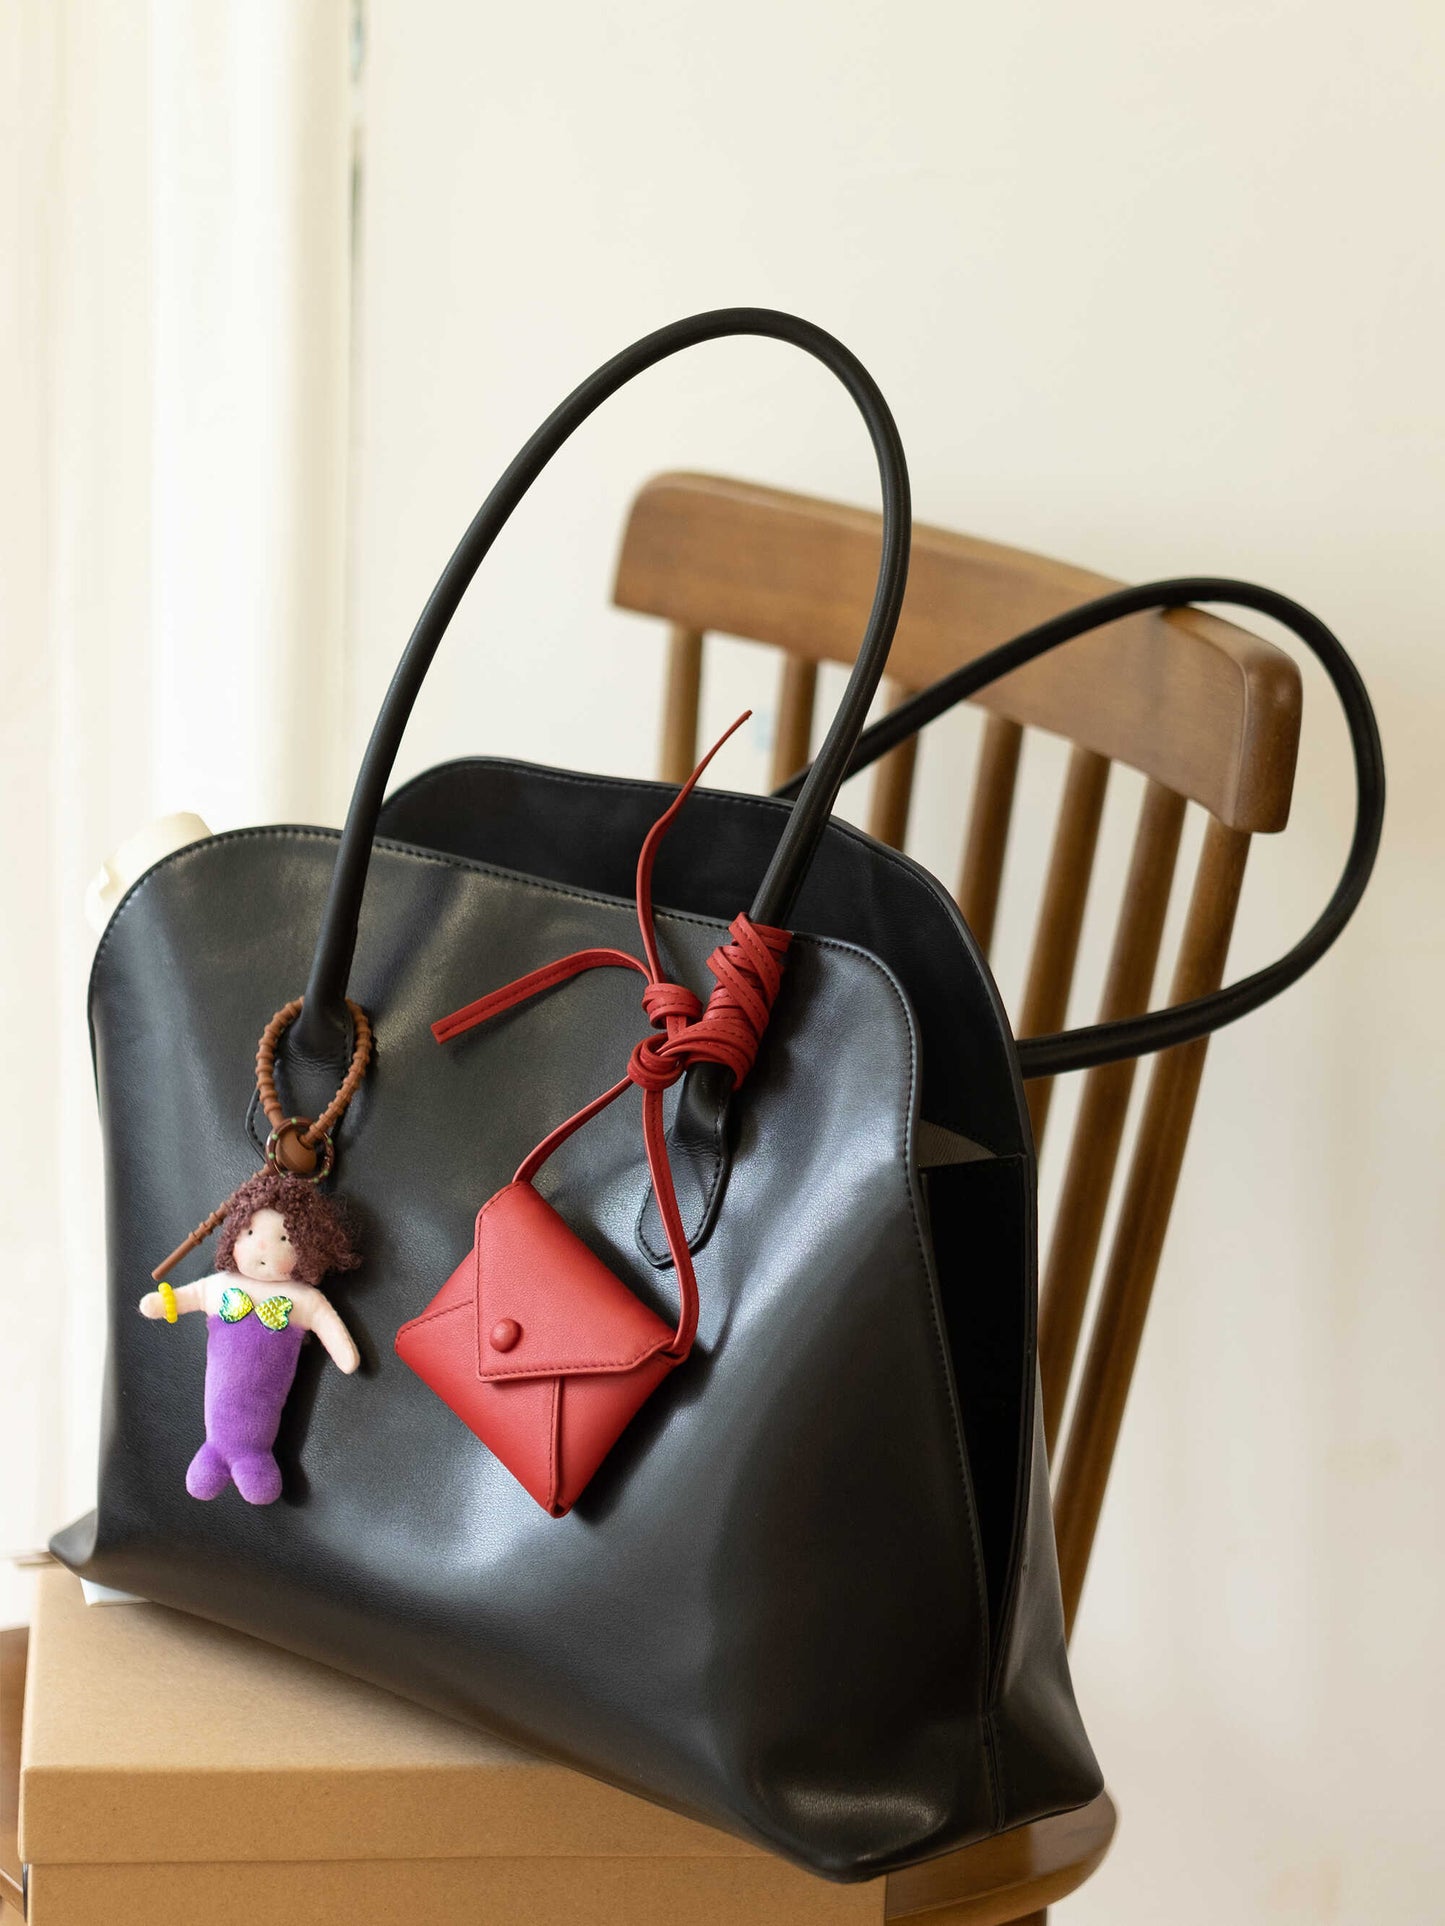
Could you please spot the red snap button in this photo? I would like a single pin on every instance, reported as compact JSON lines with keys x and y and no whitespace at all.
{"x":505,"y":1334}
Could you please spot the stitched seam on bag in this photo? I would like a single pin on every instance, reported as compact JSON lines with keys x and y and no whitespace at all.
{"x":409,"y":852}
{"x":416,"y":853}
{"x":554,"y":1428}
{"x":612,"y":1366}
{"x":570,"y":1369}
{"x":731,"y":798}
{"x":412,"y":852}
{"x":425,"y":1317}
{"x":177,"y":856}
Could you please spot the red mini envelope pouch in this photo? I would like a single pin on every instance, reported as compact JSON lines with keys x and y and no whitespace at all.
{"x":539,"y":1349}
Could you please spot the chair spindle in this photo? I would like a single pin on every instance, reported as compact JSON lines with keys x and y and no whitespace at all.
{"x":1104,"y":1102}
{"x":1143,"y":1217}
{"x":1061,"y":914}
{"x":793,"y":737}
{"x":988,"y":827}
{"x":893,"y":784}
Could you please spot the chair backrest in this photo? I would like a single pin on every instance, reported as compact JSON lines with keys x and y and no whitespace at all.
{"x":1207,"y":712}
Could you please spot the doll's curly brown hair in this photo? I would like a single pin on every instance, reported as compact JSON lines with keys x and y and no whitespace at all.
{"x":313,"y":1224}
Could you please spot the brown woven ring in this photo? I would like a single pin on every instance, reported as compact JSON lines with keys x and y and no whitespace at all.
{"x":299,"y":1125}
{"x":276,"y":1114}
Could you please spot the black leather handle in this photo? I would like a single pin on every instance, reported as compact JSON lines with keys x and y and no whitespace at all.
{"x":320,"y":1032}
{"x":1184,"y":1022}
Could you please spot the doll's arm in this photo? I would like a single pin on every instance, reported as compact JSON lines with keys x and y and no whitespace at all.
{"x":322,"y":1317}
{"x":189,"y":1297}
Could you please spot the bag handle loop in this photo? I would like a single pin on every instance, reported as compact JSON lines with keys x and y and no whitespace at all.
{"x":320,"y":1032}
{"x":1082,"y":1049}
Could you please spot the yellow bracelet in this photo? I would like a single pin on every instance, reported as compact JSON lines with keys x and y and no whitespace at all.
{"x":168,"y":1299}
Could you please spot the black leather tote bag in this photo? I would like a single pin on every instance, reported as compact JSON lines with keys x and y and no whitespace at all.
{"x":810,"y":1595}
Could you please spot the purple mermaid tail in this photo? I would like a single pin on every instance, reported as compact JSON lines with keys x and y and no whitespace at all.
{"x":249,"y":1372}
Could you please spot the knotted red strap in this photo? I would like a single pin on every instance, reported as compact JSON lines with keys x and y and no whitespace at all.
{"x":748,"y":972}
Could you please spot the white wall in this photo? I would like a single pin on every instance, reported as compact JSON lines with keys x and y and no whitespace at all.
{"x":74,"y":720}
{"x":174,"y":423}
{"x":1153,"y":289}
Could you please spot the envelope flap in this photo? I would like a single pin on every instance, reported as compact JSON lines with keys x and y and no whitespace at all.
{"x":547,"y":1306}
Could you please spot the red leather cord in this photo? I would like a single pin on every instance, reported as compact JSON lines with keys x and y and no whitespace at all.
{"x":748,"y":972}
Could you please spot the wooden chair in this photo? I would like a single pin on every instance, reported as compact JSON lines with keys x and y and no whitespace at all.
{"x":1208,"y":714}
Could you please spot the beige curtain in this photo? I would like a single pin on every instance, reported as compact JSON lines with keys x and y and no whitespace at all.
{"x":175,"y":261}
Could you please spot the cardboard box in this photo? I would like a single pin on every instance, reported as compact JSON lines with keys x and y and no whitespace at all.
{"x":173,"y":1771}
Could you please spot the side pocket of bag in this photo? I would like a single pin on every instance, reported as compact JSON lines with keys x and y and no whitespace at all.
{"x":978,"y":1215}
{"x":982,"y":1216}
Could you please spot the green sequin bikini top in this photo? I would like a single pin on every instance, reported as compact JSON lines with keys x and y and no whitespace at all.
{"x":274,"y":1312}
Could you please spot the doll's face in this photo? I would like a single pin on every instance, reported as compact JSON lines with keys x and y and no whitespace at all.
{"x":264,"y":1253}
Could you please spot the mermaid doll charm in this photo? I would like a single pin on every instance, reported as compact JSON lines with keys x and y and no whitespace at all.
{"x":279,"y":1238}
